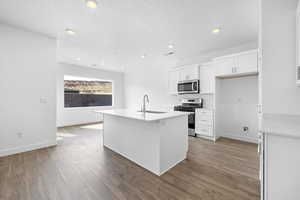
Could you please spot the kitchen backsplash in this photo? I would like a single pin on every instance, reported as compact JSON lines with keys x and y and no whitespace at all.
{"x":208,"y":99}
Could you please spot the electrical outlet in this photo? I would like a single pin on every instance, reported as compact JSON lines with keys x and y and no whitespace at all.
{"x":245,"y":129}
{"x":20,"y":135}
{"x":43,"y":100}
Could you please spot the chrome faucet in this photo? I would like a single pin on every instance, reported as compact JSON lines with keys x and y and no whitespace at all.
{"x":144,"y":102}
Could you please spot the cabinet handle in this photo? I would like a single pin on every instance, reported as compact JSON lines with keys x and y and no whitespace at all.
{"x":233,"y":70}
{"x":259,"y":109}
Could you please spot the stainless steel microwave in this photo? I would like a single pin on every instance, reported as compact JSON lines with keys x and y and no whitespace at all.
{"x":188,"y":87}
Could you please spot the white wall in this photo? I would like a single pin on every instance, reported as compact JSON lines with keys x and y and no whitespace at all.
{"x":279,"y":92}
{"x":27,"y":79}
{"x":72,"y":116}
{"x":148,"y":77}
{"x":237,"y":100}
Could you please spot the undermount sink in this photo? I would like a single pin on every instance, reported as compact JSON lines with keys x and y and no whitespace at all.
{"x":153,"y":111}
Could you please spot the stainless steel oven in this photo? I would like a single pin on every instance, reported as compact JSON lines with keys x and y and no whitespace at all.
{"x":188,"y":87}
{"x":189,"y":105}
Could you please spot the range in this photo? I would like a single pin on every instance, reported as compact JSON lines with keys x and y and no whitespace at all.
{"x":190,"y":105}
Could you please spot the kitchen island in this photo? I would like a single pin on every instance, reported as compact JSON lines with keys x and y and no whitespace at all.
{"x":156,"y":141}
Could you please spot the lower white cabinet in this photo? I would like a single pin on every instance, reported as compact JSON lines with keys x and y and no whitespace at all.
{"x":298,"y":45}
{"x":204,"y":122}
{"x":279,"y":167}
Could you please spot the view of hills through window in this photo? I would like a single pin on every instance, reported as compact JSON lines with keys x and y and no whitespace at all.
{"x":86,"y":92}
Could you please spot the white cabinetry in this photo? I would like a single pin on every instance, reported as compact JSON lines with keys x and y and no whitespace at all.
{"x":207,"y":78}
{"x":184,"y":73}
{"x":225,"y":66}
{"x":189,"y":72}
{"x":280,"y":164}
{"x":247,"y":63}
{"x":172,"y":81}
{"x":237,"y":65}
{"x":204,"y":123}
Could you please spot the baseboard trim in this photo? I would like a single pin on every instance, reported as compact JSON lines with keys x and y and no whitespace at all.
{"x":245,"y":139}
{"x":206,"y":137}
{"x":25,"y":148}
{"x":80,"y":124}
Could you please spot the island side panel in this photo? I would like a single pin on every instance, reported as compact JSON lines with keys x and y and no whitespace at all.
{"x":136,"y":140}
{"x":173,"y":142}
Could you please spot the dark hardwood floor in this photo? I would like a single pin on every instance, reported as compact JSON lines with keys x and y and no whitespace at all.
{"x":79,"y":168}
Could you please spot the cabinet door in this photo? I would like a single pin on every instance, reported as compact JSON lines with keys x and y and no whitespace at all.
{"x":225,"y":66}
{"x":172,"y":81}
{"x":204,"y":130}
{"x":207,"y":79}
{"x":204,"y":122}
{"x":189,"y":73}
{"x":247,"y":63}
{"x":184,"y":74}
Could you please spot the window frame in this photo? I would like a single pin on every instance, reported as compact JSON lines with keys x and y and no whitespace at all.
{"x":88,"y":107}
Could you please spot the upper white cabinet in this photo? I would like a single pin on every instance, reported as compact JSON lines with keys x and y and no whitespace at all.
{"x":172,"y":81}
{"x":189,"y":72}
{"x":225,"y":66}
{"x":207,"y":78}
{"x":184,"y":73}
{"x":245,"y":63}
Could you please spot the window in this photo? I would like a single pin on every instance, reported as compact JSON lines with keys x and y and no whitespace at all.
{"x":87,"y":92}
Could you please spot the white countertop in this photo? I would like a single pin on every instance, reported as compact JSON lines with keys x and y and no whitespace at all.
{"x":281,"y":125}
{"x":134,"y":114}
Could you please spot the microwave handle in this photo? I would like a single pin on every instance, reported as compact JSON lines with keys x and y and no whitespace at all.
{"x":195,"y":85}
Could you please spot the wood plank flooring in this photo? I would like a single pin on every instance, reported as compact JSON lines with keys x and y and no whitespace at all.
{"x":80,"y":168}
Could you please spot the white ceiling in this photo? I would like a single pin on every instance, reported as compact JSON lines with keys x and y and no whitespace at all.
{"x":118,"y":32}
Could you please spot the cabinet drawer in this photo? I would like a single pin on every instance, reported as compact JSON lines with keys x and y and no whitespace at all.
{"x":206,"y":120}
{"x":204,"y":111}
{"x":204,"y":130}
{"x":204,"y":117}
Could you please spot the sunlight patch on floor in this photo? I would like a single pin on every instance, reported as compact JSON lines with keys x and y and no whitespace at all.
{"x":62,"y":134}
{"x":93,"y":126}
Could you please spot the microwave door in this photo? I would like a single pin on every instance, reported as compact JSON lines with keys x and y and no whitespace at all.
{"x":185,"y":87}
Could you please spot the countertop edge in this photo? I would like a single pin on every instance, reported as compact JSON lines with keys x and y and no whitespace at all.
{"x":140,"y":119}
{"x":289,"y":135}
{"x":282,"y":125}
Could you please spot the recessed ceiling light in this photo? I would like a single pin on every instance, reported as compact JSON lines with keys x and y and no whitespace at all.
{"x":143,"y":56}
{"x":70,"y":31}
{"x":170,"y":46}
{"x":216,"y":31}
{"x":78,"y":59}
{"x":91,"y":3}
